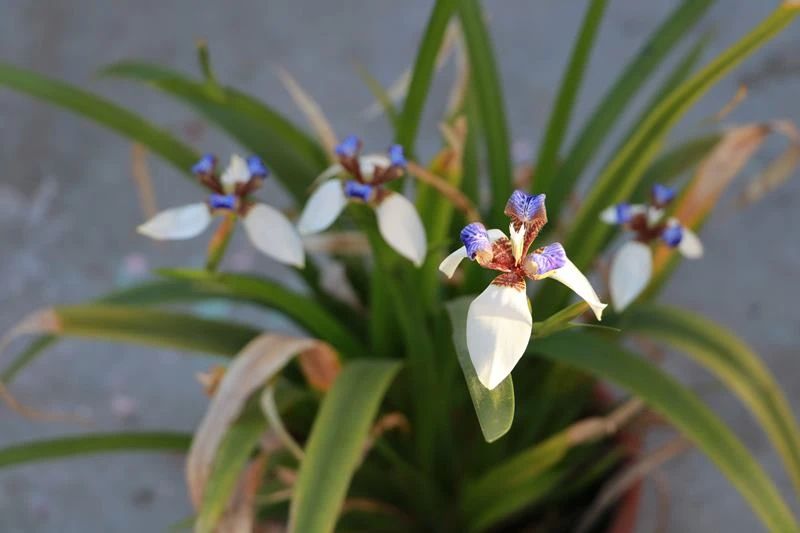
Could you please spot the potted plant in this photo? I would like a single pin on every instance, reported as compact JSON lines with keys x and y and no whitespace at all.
{"x":447,"y":381}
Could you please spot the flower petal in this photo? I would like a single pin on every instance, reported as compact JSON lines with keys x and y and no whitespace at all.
{"x":573,"y":278}
{"x":177,"y":223}
{"x":450,"y":264}
{"x":274,"y":235}
{"x":323,"y":208}
{"x":690,"y":246}
{"x":621,"y":213}
{"x":499,"y":325}
{"x":368,"y":163}
{"x":401,"y":227}
{"x":237,"y":172}
{"x":631,"y":269}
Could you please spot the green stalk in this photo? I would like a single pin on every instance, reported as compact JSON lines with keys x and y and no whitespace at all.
{"x":219,"y":242}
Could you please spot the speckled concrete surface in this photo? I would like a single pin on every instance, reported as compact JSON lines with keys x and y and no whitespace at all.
{"x":68,"y":209}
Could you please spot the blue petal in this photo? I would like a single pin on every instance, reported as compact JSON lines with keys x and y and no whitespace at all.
{"x":662,"y":195}
{"x":525,"y":207}
{"x":349,"y":147}
{"x":361,"y":191}
{"x":205,"y":165}
{"x":396,"y":156}
{"x":222,"y":201}
{"x":550,"y":258}
{"x":475,"y":239}
{"x":672,"y":235}
{"x":256,"y":167}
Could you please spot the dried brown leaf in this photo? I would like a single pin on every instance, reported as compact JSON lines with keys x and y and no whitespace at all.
{"x":320,"y":366}
{"x":140,"y":170}
{"x":312,"y":111}
{"x":626,"y":478}
{"x":459,"y":200}
{"x":772,"y":176}
{"x":239,"y":517}
{"x":259,"y":361}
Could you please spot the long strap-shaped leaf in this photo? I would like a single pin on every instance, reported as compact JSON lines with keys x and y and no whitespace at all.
{"x":294,"y":156}
{"x":619,"y":179}
{"x":257,"y":290}
{"x":44,"y":450}
{"x":334,"y":448}
{"x":422,"y":74}
{"x":488,"y":92}
{"x":617,"y":100}
{"x":550,"y":148}
{"x":733,"y":362}
{"x":101,"y":111}
{"x":683,"y":409}
{"x":138,"y":325}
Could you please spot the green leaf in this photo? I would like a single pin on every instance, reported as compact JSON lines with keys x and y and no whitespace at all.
{"x":619,"y":179}
{"x":101,"y":111}
{"x":512,"y":485}
{"x":294,"y":156}
{"x":550,"y":148}
{"x":495,"y":408}
{"x":487,"y":87}
{"x":683,"y":409}
{"x":381,"y":95}
{"x":336,"y":444}
{"x":304,"y":310}
{"x":151,"y":327}
{"x":616,"y":101}
{"x":43,"y":450}
{"x":422,"y":74}
{"x":235,"y":449}
{"x":734,"y":363}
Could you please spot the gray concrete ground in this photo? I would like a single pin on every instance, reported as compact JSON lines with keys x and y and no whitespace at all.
{"x":68,"y":209}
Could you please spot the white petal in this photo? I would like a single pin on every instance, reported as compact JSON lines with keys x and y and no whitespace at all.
{"x":609,"y":215}
{"x":367,"y":164}
{"x":499,"y":325}
{"x":237,"y":172}
{"x":450,"y":264}
{"x":177,"y":223}
{"x":654,"y":216}
{"x":573,"y":278}
{"x":630,"y":273}
{"x":322,"y":208}
{"x":274,"y":235}
{"x":690,"y":245}
{"x":401,"y":227}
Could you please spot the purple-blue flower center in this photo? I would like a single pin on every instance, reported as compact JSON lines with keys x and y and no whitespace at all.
{"x":662,"y":195}
{"x":205,"y":165}
{"x":551,"y":257}
{"x":222,"y":201}
{"x":475,"y":239}
{"x":524,"y":207}
{"x":359,"y":191}
{"x":672,"y":235}
{"x":348,"y":147}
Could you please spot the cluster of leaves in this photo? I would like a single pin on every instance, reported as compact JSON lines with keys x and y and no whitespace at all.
{"x":388,"y":431}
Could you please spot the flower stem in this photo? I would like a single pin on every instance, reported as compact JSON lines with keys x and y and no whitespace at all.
{"x":219,"y":242}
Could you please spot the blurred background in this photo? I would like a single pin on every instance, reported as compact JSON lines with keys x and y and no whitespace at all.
{"x":69,"y":207}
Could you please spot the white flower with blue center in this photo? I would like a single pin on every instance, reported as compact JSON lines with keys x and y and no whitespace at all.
{"x":632,"y":265}
{"x":499,"y":320}
{"x":398,"y":221}
{"x":268,"y":229}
